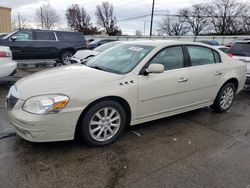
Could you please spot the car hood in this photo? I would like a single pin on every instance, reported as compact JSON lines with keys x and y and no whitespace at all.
{"x":82,"y":54}
{"x":62,"y":80}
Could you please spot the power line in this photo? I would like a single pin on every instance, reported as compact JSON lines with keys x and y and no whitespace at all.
{"x":174,"y":15}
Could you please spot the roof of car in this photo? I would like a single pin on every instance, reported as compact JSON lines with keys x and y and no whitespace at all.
{"x":44,"y":30}
{"x":166,"y":42}
{"x":243,"y":41}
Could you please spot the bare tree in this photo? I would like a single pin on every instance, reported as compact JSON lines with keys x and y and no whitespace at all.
{"x":48,"y":16}
{"x":173,"y":26}
{"x":79,"y":20}
{"x":224,"y":14}
{"x":105,"y":18}
{"x":20,"y":22}
{"x":246,"y":22}
{"x":196,"y":18}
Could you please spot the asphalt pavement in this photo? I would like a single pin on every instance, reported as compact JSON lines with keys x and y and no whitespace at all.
{"x":195,"y":149}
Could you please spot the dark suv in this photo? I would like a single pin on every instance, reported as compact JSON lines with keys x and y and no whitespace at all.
{"x":44,"y":44}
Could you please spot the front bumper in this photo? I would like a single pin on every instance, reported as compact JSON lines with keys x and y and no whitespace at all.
{"x":44,"y":128}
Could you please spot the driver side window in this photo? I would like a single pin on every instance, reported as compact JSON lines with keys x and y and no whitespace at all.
{"x":171,"y":58}
{"x":24,"y":36}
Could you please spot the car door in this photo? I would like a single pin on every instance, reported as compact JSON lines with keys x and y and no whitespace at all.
{"x":206,"y":72}
{"x":166,"y":92}
{"x":22,"y":45}
{"x":46,"y":45}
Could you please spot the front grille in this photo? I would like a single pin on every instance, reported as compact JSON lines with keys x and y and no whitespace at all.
{"x":11,"y":102}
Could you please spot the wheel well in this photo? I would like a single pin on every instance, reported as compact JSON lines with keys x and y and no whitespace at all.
{"x":120,"y":100}
{"x":67,"y":49}
{"x":234,"y":81}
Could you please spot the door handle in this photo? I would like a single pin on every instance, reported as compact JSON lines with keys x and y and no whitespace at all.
{"x":217,"y":73}
{"x":183,"y":80}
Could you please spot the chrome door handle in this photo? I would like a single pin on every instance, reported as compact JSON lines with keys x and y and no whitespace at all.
{"x":217,"y":73}
{"x":183,"y":80}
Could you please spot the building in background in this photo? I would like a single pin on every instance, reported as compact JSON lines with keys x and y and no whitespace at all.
{"x":5,"y":19}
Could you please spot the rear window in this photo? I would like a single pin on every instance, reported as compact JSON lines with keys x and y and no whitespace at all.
{"x":71,"y":36}
{"x":202,"y":55}
{"x":43,"y":35}
{"x":240,"y":49}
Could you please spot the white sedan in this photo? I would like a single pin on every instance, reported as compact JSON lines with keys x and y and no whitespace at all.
{"x":132,"y":83}
{"x":7,"y":65}
{"x":82,"y":56}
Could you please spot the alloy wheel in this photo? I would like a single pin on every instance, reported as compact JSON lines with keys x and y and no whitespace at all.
{"x":105,"y":124}
{"x":227,"y":98}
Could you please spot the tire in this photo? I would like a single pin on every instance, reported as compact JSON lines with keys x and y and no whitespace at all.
{"x":65,"y":56}
{"x":228,"y":93}
{"x":99,"y":124}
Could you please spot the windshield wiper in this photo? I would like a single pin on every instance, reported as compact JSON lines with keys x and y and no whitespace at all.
{"x":97,"y":67}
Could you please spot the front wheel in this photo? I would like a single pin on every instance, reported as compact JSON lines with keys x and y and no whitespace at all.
{"x":224,"y":99}
{"x":65,"y":57}
{"x":103,"y":123}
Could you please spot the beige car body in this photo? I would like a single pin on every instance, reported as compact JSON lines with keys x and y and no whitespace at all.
{"x":147,"y":97}
{"x":7,"y":65}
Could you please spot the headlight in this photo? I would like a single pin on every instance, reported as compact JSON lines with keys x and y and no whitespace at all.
{"x":45,"y":104}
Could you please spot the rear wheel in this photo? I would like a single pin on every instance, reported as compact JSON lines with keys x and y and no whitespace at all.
{"x":103,"y":123}
{"x":65,"y":57}
{"x":224,"y":99}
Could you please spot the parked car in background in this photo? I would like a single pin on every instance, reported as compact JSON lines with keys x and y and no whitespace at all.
{"x":241,"y":51}
{"x":82,"y":55}
{"x":222,"y":48}
{"x":131,"y":83}
{"x":99,"y":42}
{"x":210,"y":42}
{"x":7,"y":65}
{"x":44,"y":44}
{"x":3,"y":35}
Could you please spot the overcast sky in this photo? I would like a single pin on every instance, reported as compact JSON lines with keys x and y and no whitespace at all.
{"x":123,"y":9}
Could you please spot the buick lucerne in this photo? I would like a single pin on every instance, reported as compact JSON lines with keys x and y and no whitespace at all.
{"x":132,"y":83}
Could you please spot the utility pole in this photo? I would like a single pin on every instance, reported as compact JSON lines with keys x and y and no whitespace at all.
{"x":19,"y":21}
{"x":152,"y":17}
{"x":145,"y":28}
{"x":41,"y":12}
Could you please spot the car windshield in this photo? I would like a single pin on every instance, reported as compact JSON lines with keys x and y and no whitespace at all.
{"x":120,"y":59}
{"x":95,"y":41}
{"x":9,"y":34}
{"x":104,"y":47}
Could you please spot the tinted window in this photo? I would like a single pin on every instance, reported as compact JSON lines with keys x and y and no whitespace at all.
{"x":241,"y":49}
{"x":170,"y":58}
{"x":71,"y":36}
{"x":45,"y":35}
{"x":217,"y":57}
{"x":200,"y":55}
{"x":24,"y":36}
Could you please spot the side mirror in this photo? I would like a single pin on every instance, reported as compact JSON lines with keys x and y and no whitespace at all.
{"x":155,"y":68}
{"x":13,"y":38}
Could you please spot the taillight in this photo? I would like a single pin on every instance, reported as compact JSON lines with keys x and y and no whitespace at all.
{"x":230,"y":55}
{"x":5,"y":54}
